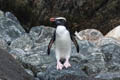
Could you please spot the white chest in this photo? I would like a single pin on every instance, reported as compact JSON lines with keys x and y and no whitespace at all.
{"x":63,"y":40}
{"x":62,"y":33}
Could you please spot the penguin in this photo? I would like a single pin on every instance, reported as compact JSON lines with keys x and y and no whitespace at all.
{"x":62,"y":39}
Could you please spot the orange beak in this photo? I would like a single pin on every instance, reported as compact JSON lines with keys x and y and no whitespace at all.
{"x":52,"y":19}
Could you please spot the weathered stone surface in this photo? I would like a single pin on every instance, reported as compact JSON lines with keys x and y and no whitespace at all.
{"x":90,"y":57}
{"x":1,"y":14}
{"x":111,"y":49}
{"x":109,"y":76}
{"x":24,"y":42}
{"x":41,"y":33}
{"x":18,"y":53}
{"x":71,"y":73}
{"x":90,"y":35}
{"x":12,"y":17}
{"x":10,"y":30}
{"x":3,"y":44}
{"x":114,"y":33}
{"x":29,"y":72}
{"x":37,"y":78}
{"x":37,"y":61}
{"x":10,"y":69}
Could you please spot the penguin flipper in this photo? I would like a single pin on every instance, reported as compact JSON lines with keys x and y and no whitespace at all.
{"x":75,"y":43}
{"x":50,"y":44}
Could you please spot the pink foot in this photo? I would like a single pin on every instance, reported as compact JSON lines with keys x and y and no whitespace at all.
{"x":67,"y":64}
{"x":59,"y":66}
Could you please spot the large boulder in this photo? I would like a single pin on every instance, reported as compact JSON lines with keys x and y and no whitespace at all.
{"x":108,"y":76}
{"x":12,"y":17}
{"x":90,"y":57}
{"x":23,"y":42}
{"x":92,"y":35}
{"x":1,"y":14}
{"x":37,"y":58}
{"x":3,"y":44}
{"x":10,"y":29}
{"x":41,"y":34}
{"x":31,"y":49}
{"x":114,"y":33}
{"x":111,"y":49}
{"x":10,"y":69}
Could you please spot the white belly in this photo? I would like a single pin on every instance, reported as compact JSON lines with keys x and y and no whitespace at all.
{"x":62,"y":43}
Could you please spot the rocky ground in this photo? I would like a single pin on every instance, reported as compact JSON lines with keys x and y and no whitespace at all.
{"x":98,"y":59}
{"x":10,"y":69}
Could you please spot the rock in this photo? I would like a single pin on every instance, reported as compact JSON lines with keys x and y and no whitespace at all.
{"x":41,"y":33}
{"x":17,"y":53}
{"x":114,"y":33}
{"x":109,"y":76}
{"x":10,"y":30}
{"x":31,"y":51}
{"x":41,"y":75}
{"x":37,"y":79}
{"x":1,"y":14}
{"x":73,"y":73}
{"x":90,"y":57}
{"x":3,"y":44}
{"x":37,"y":61}
{"x":29,"y":72}
{"x":90,"y":35}
{"x":24,"y":42}
{"x":111,"y":50}
{"x":12,"y":17}
{"x":10,"y":69}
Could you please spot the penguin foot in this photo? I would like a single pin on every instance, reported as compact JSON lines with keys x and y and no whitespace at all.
{"x":59,"y":66}
{"x":67,"y":64}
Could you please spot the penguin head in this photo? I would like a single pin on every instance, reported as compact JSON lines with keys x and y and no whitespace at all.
{"x":58,"y":20}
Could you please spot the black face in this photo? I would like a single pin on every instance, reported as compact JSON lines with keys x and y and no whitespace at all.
{"x":60,"y":22}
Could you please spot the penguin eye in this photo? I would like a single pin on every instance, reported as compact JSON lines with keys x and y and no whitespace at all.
{"x":58,"y":22}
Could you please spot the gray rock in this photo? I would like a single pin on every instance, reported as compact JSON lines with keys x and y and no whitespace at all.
{"x":10,"y":30}
{"x":37,"y":62}
{"x":17,"y":53}
{"x":1,"y":14}
{"x":41,"y":33}
{"x":90,"y":57}
{"x":111,"y":50}
{"x":37,"y":78}
{"x":12,"y":17}
{"x":10,"y":69}
{"x":92,"y":35}
{"x":73,"y":73}
{"x":29,"y":72}
{"x":24,"y":42}
{"x":109,"y":76}
{"x":3,"y":44}
{"x":41,"y":75}
{"x":31,"y":51}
